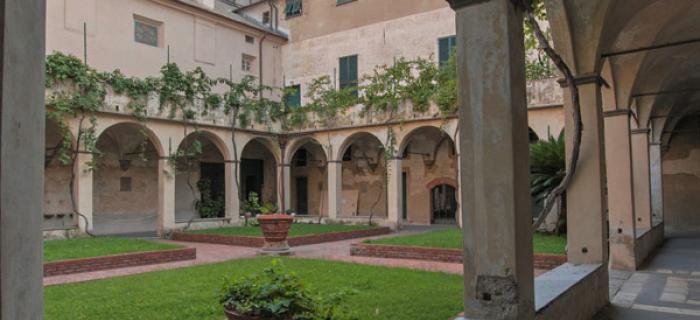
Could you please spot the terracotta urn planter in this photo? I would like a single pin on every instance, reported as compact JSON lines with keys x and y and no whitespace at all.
{"x":233,"y":315}
{"x":275,"y":228}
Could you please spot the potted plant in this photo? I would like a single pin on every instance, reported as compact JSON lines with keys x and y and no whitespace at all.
{"x":277,"y":294}
{"x":275,"y":226}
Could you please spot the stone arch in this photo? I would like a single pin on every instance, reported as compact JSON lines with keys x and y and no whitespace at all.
{"x":407,"y":138}
{"x":58,"y":207}
{"x":260,"y":163}
{"x":308,"y":173}
{"x":364,"y":190}
{"x":200,"y":178}
{"x":348,"y":141}
{"x":125,"y":182}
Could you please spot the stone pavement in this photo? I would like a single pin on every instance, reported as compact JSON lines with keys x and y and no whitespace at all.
{"x":667,"y":287}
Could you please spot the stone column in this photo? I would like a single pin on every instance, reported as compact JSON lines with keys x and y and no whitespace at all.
{"x":657,"y":190}
{"x":335,"y":189}
{"x":586,"y":202}
{"x":21,"y":158}
{"x":394,"y":198}
{"x":166,"y":197}
{"x":495,"y":169}
{"x":618,"y":154}
{"x":285,"y":185}
{"x":83,"y":191}
{"x":642,"y":180}
{"x":233,"y":201}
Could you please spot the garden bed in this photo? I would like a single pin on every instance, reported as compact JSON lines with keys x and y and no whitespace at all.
{"x":446,"y":246}
{"x":117,"y":261}
{"x":92,"y":254}
{"x":541,"y":260}
{"x":299,"y":235}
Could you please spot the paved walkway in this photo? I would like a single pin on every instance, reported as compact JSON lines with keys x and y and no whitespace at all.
{"x":667,"y":287}
{"x":212,"y":253}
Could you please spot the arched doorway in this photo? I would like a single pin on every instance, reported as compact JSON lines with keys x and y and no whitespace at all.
{"x":309,"y":182}
{"x":428,"y":160}
{"x":200,"y":187}
{"x":443,"y":203}
{"x":125,"y":182}
{"x":364,"y":189}
{"x":259,"y":171}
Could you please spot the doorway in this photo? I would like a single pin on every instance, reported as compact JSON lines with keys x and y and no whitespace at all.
{"x":444,"y":204}
{"x":302,"y":188}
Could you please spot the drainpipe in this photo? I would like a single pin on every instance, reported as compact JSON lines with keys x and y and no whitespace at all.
{"x":260,"y":63}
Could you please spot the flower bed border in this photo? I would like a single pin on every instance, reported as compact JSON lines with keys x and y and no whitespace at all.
{"x":73,"y":266}
{"x":257,"y":242}
{"x":541,"y":261}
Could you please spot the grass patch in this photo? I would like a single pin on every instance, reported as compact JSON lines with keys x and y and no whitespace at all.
{"x":298,"y":229}
{"x":55,"y":250}
{"x":192,"y":293}
{"x":452,"y":239}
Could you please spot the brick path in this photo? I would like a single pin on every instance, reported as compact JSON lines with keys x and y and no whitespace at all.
{"x":212,"y":253}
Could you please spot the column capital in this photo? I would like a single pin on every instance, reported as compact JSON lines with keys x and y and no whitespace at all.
{"x":231,"y":161}
{"x":618,"y":112}
{"x":640,"y":130}
{"x":334,"y":161}
{"x":585,"y":78}
{"x":459,"y":4}
{"x":284,"y":165}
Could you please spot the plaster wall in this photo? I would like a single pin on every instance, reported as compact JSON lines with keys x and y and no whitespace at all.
{"x":196,"y":38}
{"x":316,"y":173}
{"x":681,"y":180}
{"x":57,"y":200}
{"x":186,"y":189}
{"x":364,"y":187}
{"x":258,"y":151}
{"x":420,"y":175}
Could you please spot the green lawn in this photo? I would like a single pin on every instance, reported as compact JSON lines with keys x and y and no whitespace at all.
{"x":298,"y":229}
{"x":192,"y":293}
{"x":452,"y":239}
{"x":55,"y":250}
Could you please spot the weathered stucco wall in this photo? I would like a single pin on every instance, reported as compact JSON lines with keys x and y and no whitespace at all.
{"x":258,"y":151}
{"x":430,"y":160}
{"x":316,"y":173}
{"x":188,"y":176}
{"x":681,"y":179}
{"x":364,"y":187}
{"x":57,"y":200}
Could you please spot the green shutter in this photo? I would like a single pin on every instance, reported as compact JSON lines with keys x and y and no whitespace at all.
{"x":293,"y":8}
{"x":443,"y":50}
{"x":348,"y":72}
{"x":293,"y":99}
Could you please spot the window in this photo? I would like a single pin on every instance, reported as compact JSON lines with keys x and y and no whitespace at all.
{"x":301,"y":158}
{"x":266,"y":17}
{"x":347,"y":156}
{"x":348,"y":72}
{"x":445,"y":48}
{"x":293,"y":98}
{"x":247,"y":63}
{"x":125,"y":184}
{"x":249,"y":39}
{"x":293,"y":8}
{"x":147,"y":31}
{"x":339,"y":2}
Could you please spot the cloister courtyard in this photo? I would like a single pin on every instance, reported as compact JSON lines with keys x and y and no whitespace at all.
{"x":349,"y":159}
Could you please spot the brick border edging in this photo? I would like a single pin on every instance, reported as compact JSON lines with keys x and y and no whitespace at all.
{"x":72,"y":266}
{"x":541,"y":261}
{"x":257,"y":242}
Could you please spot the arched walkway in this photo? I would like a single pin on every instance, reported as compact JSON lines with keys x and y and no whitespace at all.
{"x":309,"y":179}
{"x":200,"y":186}
{"x":428,"y":159}
{"x":125,"y":181}
{"x":259,"y":171}
{"x":58,"y":208}
{"x":364,"y":189}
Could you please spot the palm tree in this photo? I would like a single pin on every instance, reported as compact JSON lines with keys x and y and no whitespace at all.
{"x":548,"y":168}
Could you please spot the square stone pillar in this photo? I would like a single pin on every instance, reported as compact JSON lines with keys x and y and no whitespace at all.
{"x":166,"y":197}
{"x":83,"y":191}
{"x":22,"y":158}
{"x":494,"y":162}
{"x":394,"y":198}
{"x":587,"y":234}
{"x":642,"y":177}
{"x":232,"y":192}
{"x":335,"y":189}
{"x":657,"y":182}
{"x":618,"y":154}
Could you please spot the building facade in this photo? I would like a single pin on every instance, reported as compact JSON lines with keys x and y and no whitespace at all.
{"x":320,"y":172}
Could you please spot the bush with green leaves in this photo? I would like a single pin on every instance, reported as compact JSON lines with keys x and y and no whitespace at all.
{"x":276,"y":293}
{"x":548,"y":167}
{"x":209,"y":205}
